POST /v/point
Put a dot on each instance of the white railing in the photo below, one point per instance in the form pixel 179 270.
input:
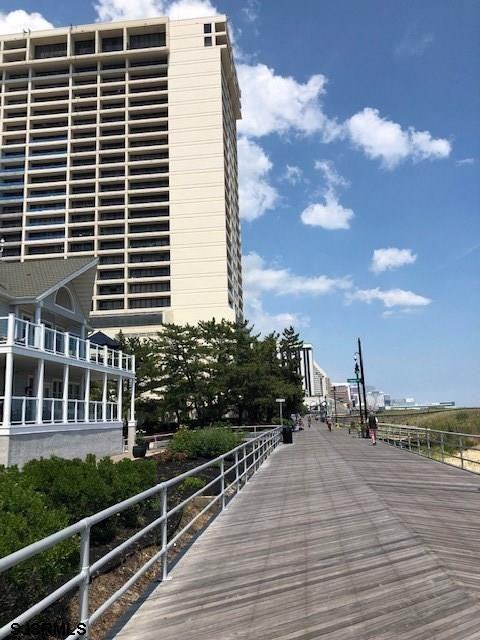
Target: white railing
pixel 238 465
pixel 24 411
pixel 14 331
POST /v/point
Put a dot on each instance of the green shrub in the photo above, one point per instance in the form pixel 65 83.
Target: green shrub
pixel 84 487
pixel 27 517
pixel 191 485
pixel 204 443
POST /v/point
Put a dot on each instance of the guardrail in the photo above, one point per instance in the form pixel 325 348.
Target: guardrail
pixel 247 459
pixel 456 449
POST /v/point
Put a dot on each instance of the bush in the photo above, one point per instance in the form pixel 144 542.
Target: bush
pixel 85 487
pixel 204 443
pixel 191 485
pixel 27 517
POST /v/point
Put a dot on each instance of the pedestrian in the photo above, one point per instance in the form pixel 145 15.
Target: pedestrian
pixel 329 425
pixel 309 420
pixel 372 427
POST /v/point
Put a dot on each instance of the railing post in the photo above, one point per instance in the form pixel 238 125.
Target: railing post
pixel 85 570
pixel 428 443
pixel 442 446
pixel 245 465
pixel 237 481
pixel 222 482
pixel 461 451
pixel 409 442
pixel 418 442
pixel 11 330
pixel 164 532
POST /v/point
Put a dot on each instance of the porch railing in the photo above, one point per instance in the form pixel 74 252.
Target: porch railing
pixel 15 331
pixel 24 411
pixel 235 468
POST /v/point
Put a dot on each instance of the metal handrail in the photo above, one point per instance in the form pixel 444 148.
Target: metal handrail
pixel 246 463
pixel 444 446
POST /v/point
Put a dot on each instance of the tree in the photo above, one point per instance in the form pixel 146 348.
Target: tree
pixel 217 370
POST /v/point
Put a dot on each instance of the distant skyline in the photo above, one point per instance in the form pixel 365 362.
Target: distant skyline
pixel 360 194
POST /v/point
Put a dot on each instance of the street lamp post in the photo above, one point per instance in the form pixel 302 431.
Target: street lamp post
pixel 335 403
pixel 280 403
pixel 357 376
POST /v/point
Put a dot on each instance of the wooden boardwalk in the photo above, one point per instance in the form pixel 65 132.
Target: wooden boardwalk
pixel 333 539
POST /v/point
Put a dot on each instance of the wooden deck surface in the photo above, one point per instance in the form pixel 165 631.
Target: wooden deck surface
pixel 332 539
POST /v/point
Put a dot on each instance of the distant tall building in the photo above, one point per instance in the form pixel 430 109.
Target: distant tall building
pixel 316 383
pixel 119 141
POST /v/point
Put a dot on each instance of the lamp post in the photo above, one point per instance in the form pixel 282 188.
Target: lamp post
pixel 357 376
pixel 335 403
pixel 280 403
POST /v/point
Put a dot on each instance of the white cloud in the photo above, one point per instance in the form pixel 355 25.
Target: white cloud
pixel 276 104
pixel 465 161
pixel 183 9
pixel 260 278
pixel 265 322
pixel 391 298
pixel 384 139
pixel 413 43
pixel 391 258
pixel 293 174
pixel 109 10
pixel 250 11
pixel 256 194
pixel 331 214
pixel 18 20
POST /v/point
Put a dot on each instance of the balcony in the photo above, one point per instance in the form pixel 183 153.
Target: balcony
pixel 39 338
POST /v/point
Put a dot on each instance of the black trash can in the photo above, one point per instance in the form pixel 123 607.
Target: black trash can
pixel 287 433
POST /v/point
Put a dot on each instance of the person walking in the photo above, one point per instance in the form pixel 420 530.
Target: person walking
pixel 372 427
pixel 309 420
pixel 329 425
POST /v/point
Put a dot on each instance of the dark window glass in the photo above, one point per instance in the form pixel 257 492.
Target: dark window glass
pixel 148 303
pixel 84 47
pixel 106 305
pixel 51 50
pixel 112 44
pixel 207 28
pixel 149 287
pixel 110 289
pixel 208 41
pixel 154 272
pixel 146 40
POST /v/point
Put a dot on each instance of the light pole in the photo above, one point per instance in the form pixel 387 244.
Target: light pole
pixel 280 403
pixel 335 404
pixel 357 376
pixel 362 374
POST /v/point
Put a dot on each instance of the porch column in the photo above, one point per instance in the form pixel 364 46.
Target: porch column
pixel 132 424
pixel 39 390
pixel 104 397
pixel 7 395
pixel 119 397
pixel 66 376
pixel 86 395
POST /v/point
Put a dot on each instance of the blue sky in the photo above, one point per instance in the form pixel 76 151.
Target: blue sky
pixel 359 155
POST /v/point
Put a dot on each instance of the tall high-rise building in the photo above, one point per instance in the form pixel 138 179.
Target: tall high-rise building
pixel 119 141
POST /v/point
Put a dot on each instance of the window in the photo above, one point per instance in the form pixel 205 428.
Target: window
pixel 148 303
pixel 154 272
pixel 112 44
pixel 110 274
pixel 51 50
pixel 64 299
pixel 208 41
pixel 147 40
pixel 107 305
pixel 149 287
pixel 110 289
pixel 84 47
pixel 207 28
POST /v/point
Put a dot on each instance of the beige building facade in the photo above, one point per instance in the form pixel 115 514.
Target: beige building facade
pixel 118 141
